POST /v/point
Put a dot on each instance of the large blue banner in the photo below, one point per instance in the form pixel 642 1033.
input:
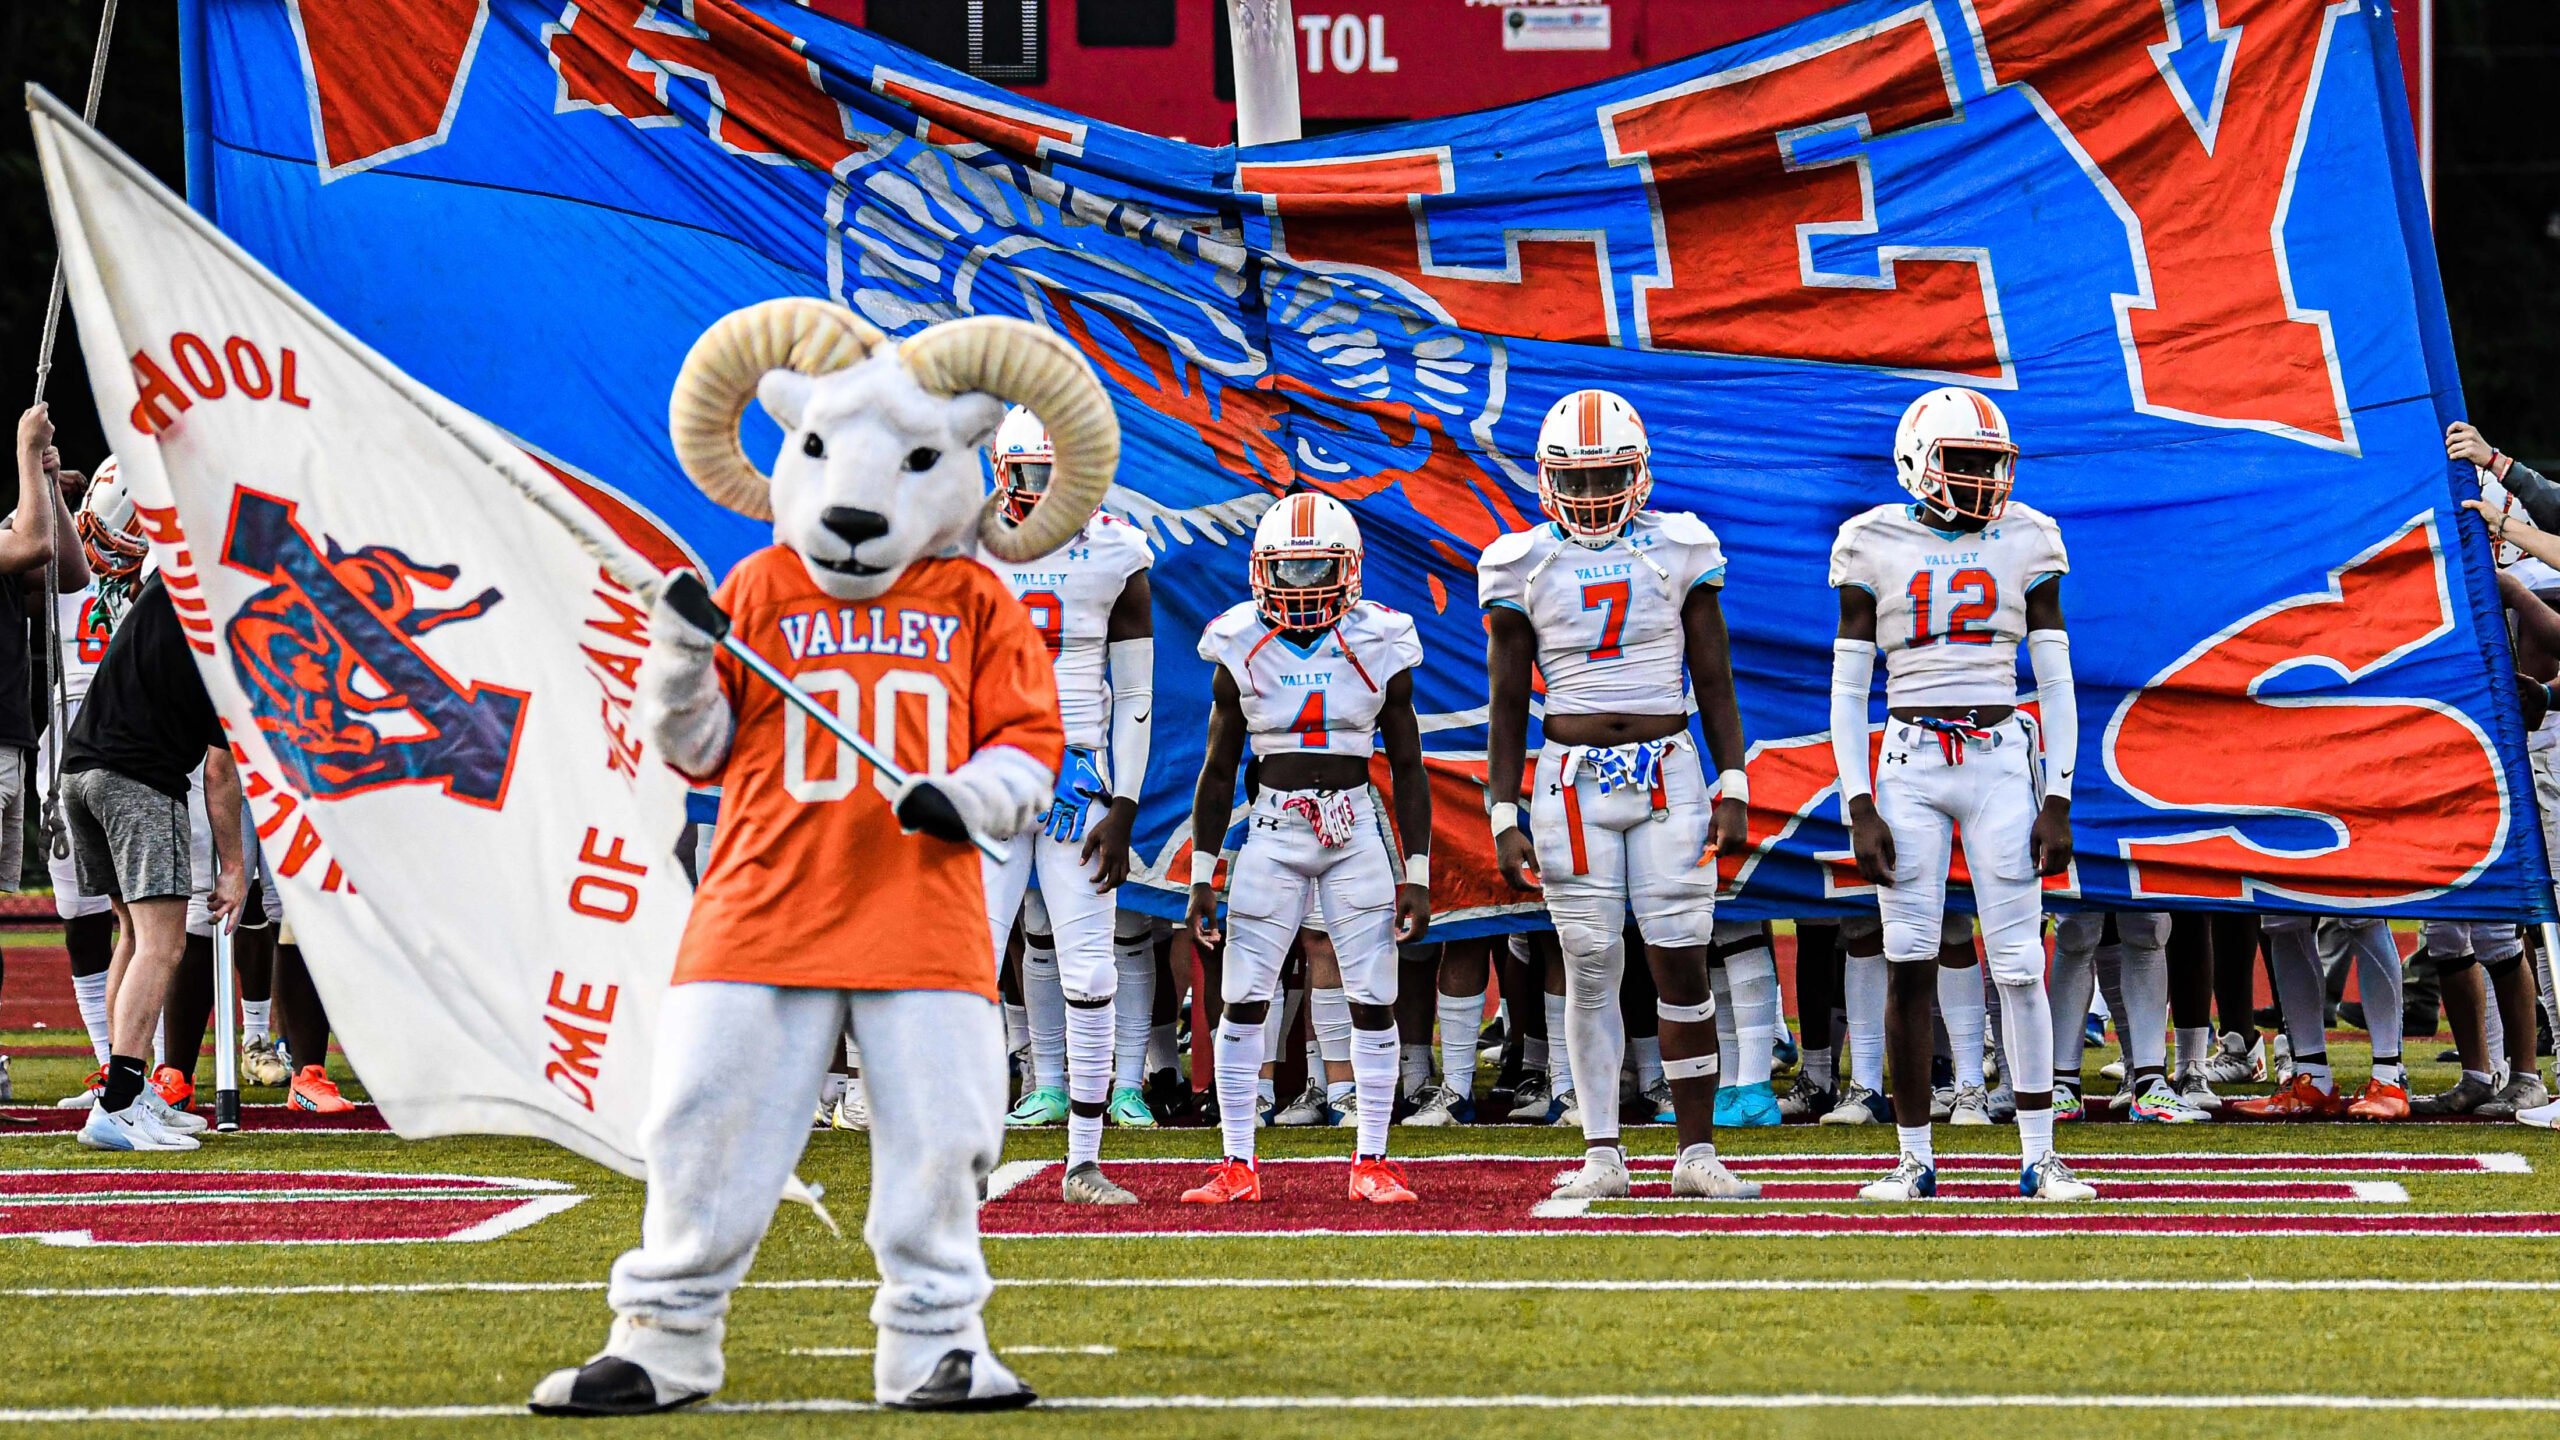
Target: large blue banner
pixel 2185 246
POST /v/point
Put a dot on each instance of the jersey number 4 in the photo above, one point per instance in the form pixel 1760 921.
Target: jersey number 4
pixel 1964 617
pixel 1610 600
pixel 1309 726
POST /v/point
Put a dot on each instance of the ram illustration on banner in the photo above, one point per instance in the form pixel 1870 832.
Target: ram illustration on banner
pixel 428 687
pixel 2184 244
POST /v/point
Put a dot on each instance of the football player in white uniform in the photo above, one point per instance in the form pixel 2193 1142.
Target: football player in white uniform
pixel 1312 674
pixel 1948 586
pixel 111 542
pixel 1619 607
pixel 1089 601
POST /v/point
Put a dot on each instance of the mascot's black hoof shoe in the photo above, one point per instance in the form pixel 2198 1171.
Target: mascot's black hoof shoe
pixel 947 1388
pixel 927 809
pixel 610 1385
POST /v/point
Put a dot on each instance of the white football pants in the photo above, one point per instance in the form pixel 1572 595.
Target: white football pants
pixel 1924 793
pixel 1601 855
pixel 737 1070
pixel 1282 872
pixel 1080 917
pixel 2144 938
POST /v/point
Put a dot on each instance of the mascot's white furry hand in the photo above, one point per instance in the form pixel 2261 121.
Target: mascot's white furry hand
pixel 682 711
pixel 998 792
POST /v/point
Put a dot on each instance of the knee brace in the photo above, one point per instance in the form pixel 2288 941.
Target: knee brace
pixel 1248 1012
pixel 1686 1014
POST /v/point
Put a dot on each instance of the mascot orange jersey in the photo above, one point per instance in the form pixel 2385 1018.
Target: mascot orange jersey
pixel 811 882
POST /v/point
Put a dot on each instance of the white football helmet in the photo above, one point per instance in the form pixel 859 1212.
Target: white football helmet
pixel 1954 419
pixel 2502 505
pixel 110 528
pixel 1022 458
pixel 1593 464
pixel 1306 562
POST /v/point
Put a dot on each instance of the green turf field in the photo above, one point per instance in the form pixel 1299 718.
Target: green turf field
pixel 1808 1333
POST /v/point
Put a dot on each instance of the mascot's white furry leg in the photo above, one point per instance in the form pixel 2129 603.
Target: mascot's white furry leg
pixel 727 1124
pixel 934 1060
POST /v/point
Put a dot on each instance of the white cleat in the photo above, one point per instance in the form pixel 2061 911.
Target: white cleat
pixel 1569 1115
pixel 1442 1106
pixel 2113 1070
pixel 169 1117
pixel 131 1128
pixel 2545 1117
pixel 1085 1184
pixel 2050 1179
pixel 1308 1109
pixel 1942 1104
pixel 2195 1091
pixel 1603 1176
pixel 2236 1060
pixel 1703 1177
pixel 261 1065
pixel 1859 1106
pixel 1910 1179
pixel 853 1112
pixel 1346 1116
pixel 1972 1106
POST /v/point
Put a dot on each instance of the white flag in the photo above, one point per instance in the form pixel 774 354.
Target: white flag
pixel 427 681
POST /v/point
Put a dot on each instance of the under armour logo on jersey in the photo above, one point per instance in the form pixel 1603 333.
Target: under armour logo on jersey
pixel 1895 757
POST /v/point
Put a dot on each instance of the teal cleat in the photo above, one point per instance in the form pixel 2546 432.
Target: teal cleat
pixel 1750 1106
pixel 1044 1106
pixel 1129 1109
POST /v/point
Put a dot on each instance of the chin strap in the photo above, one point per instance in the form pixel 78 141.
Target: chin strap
pixel 1133 704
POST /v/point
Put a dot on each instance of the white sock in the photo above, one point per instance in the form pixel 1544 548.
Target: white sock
pixel 2145 1022
pixel 1135 960
pixel 1862 985
pixel 2035 1135
pixel 1337 1091
pixel 1817 1069
pixel 1461 1021
pixel 1414 1073
pixel 1596 1040
pixel 2319 1073
pixel 254 1019
pixel 1239 1063
pixel 1646 1052
pixel 1533 1052
pixel 1373 1073
pixel 1960 1002
pixel 1045 1005
pixel 1916 1143
pixel 1161 1052
pixel 831 1089
pixel 1275 1030
pixel 1089 1035
pixel 91 990
pixel 1559 1048
pixel 1753 975
pixel 1329 1021
pixel 2027 1015
pixel 2195 1045
pixel 1017 1029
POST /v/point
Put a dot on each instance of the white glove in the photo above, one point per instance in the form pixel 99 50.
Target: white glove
pixel 682 711
pixel 999 792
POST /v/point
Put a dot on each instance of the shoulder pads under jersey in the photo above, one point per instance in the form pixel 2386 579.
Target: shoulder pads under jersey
pixel 1508 549
pixel 1684 528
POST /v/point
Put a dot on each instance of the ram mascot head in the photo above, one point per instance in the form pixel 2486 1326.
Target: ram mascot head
pixel 879 465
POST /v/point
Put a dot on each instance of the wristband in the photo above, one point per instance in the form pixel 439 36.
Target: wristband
pixel 1417 870
pixel 1204 869
pixel 1506 817
pixel 1733 785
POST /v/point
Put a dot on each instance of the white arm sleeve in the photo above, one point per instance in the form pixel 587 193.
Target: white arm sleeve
pixel 682 711
pixel 2049 655
pixel 1133 705
pixel 1853 674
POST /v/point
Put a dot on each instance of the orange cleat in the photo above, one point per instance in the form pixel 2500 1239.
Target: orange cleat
pixel 1380 1182
pixel 2380 1101
pixel 176 1086
pixel 2301 1100
pixel 314 1091
pixel 1232 1180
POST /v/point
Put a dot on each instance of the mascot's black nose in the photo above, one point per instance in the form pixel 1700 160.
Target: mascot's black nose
pixel 854 526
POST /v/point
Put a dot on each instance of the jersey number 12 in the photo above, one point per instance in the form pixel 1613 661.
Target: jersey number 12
pixel 1964 617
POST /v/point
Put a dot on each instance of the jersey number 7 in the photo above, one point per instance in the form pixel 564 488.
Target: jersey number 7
pixel 1610 599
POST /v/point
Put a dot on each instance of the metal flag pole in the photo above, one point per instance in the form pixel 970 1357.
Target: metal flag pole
pixel 226 1032
pixel 1266 55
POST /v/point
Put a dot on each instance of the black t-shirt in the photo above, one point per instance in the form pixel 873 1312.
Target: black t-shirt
pixel 147 716
pixel 17 719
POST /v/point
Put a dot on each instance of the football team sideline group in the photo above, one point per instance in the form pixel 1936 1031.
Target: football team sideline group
pixel 1647 1006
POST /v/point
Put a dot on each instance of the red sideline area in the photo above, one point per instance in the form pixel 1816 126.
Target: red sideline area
pixel 124 1207
pixel 39 1120
pixel 1503 1196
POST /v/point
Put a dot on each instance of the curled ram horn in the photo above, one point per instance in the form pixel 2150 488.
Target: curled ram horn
pixel 1021 364
pixel 720 376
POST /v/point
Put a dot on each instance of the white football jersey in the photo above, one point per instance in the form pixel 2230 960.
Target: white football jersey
pixel 1951 606
pixel 1608 620
pixel 1069 593
pixel 1323 700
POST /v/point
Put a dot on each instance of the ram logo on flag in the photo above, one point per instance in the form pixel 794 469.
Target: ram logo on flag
pixel 2185 245
pixel 428 685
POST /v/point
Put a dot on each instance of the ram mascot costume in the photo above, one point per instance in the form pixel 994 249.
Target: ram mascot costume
pixel 836 902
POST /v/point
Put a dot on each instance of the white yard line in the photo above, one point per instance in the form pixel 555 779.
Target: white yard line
pixel 149 1414
pixel 843 1352
pixel 1717 1286
pixel 1014 1172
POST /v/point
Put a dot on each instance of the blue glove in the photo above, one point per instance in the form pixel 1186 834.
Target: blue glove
pixel 1079 785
